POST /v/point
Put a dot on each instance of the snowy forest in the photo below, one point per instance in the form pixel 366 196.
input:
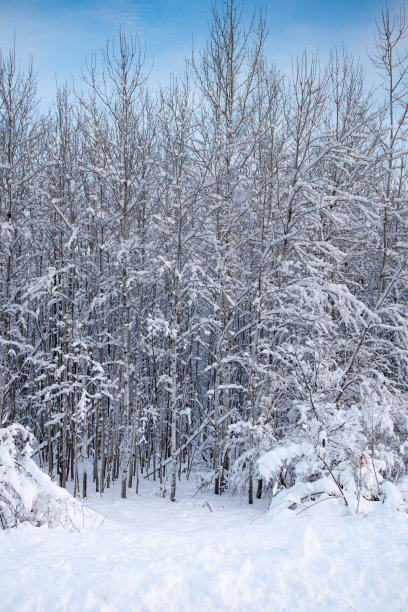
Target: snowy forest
pixel 212 275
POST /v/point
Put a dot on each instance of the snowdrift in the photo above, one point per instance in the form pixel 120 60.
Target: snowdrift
pixel 28 495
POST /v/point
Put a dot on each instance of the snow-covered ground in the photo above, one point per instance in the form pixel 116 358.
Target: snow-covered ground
pixel 151 554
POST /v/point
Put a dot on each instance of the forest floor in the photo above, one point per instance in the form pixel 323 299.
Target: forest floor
pixel 206 553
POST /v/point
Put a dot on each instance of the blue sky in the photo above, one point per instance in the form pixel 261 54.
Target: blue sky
pixel 60 33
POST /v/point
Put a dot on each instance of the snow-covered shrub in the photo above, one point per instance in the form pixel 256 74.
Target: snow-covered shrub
pixel 357 453
pixel 27 494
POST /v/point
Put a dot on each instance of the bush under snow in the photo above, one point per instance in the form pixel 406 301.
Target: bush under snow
pixel 27 494
pixel 357 453
pixel 317 474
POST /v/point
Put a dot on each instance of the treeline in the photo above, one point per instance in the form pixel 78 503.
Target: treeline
pixel 194 276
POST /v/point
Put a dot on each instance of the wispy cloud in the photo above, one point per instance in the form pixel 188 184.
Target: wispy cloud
pixel 122 13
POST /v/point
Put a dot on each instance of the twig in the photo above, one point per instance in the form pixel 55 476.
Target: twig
pixel 316 502
pixel 347 604
pixel 259 516
pixel 335 480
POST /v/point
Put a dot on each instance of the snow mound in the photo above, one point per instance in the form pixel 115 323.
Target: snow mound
pixel 28 495
pixel 359 488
